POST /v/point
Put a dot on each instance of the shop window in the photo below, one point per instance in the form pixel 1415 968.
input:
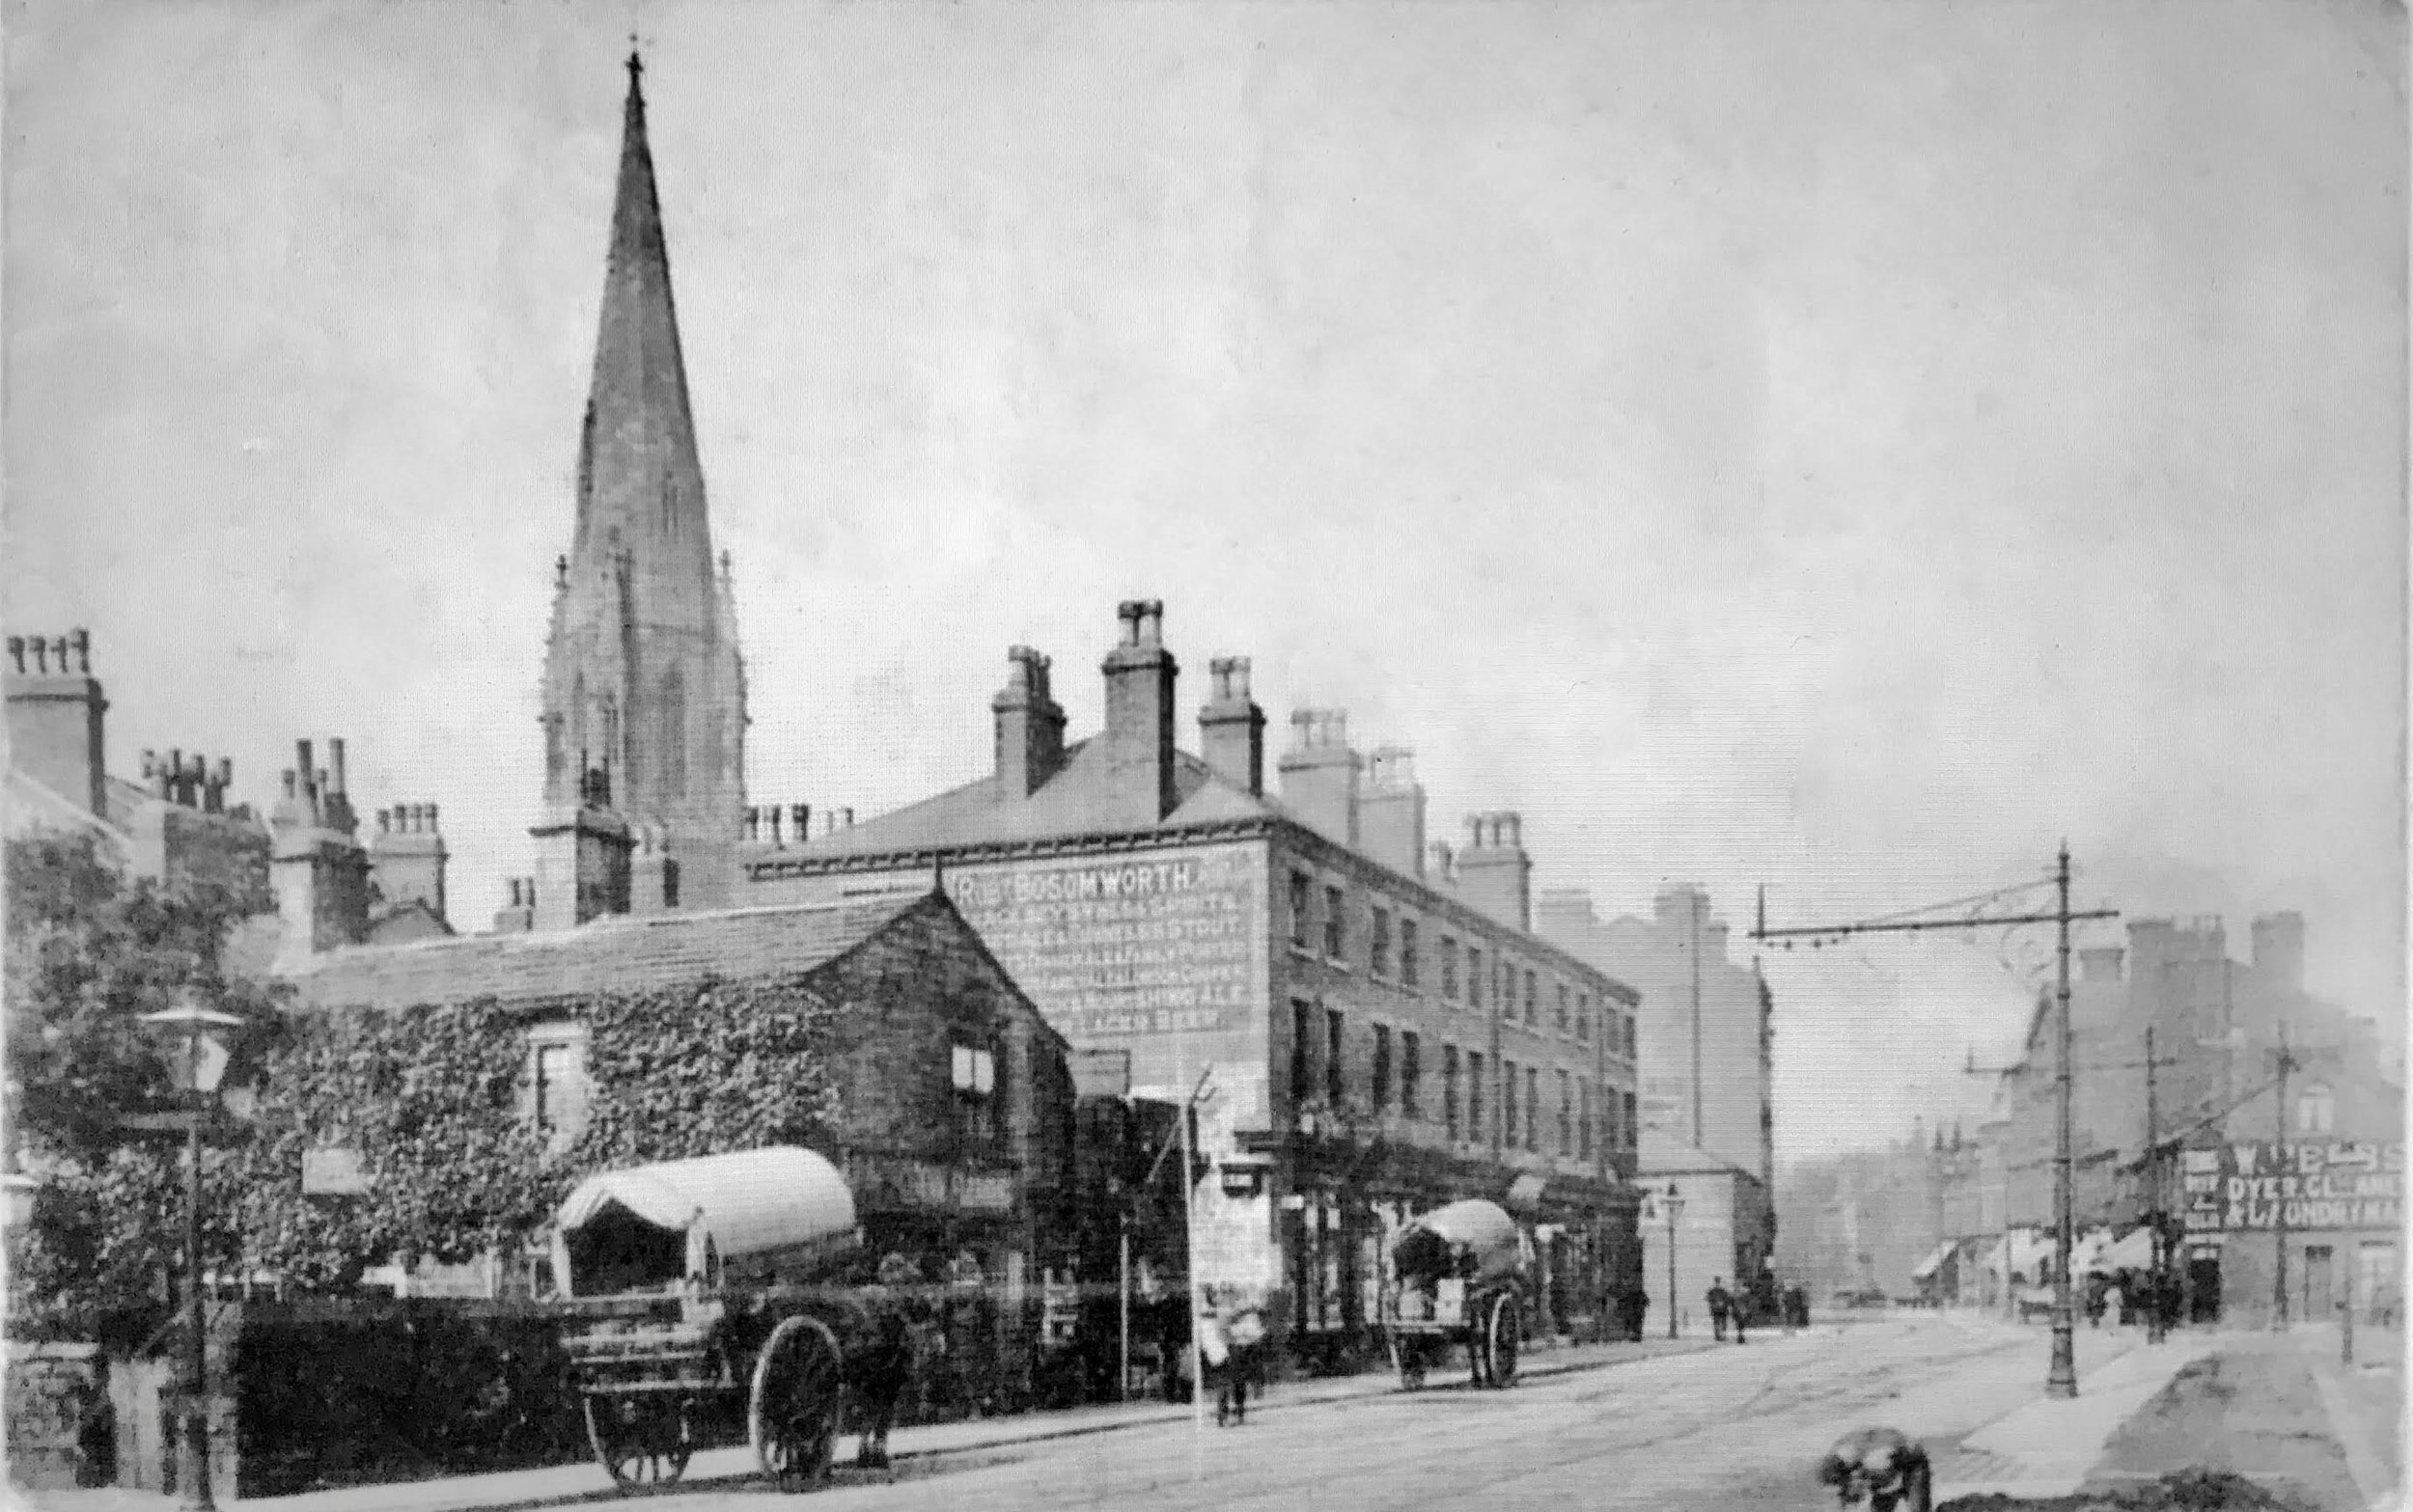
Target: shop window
pixel 1302 1051
pixel 1378 944
pixel 1449 970
pixel 1411 1074
pixel 1449 1090
pixel 1302 896
pixel 1381 1090
pixel 1335 937
pixel 1336 1089
pixel 1410 973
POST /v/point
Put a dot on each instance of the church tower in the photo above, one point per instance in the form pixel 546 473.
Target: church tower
pixel 644 702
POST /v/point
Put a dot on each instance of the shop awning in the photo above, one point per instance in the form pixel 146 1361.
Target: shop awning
pixel 1935 1260
pixel 2135 1252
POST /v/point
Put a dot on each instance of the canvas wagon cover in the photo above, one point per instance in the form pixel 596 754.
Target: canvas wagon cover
pixel 745 1203
pixel 1482 1228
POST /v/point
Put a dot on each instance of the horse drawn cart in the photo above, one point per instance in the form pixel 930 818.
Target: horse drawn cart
pixel 1460 1276
pixel 702 1293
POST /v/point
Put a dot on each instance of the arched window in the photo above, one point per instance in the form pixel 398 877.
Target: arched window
pixel 671 733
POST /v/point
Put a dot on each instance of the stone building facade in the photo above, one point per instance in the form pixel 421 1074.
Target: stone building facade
pixel 1377 1027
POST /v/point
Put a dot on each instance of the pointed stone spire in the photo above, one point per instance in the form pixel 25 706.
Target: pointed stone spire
pixel 643 677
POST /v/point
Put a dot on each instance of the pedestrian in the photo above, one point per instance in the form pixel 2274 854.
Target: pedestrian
pixel 887 1366
pixel 2096 1292
pixel 1719 1301
pixel 1738 1312
pixel 2115 1302
pixel 1214 1355
pixel 1244 1337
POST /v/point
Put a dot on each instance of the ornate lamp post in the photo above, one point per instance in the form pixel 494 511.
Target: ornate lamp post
pixel 199 1033
pixel 1671 1204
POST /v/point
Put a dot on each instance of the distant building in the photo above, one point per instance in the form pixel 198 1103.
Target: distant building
pixel 1724 1228
pixel 1706 1051
pixel 1381 1029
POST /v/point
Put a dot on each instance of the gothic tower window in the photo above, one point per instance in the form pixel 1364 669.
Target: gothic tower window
pixel 670 753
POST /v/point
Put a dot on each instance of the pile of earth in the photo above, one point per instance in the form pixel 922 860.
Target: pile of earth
pixel 2187 1491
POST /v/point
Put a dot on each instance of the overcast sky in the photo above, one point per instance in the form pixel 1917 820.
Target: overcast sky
pixel 1845 447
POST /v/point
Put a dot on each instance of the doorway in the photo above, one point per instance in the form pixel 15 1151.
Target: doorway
pixel 2203 1287
pixel 2321 1281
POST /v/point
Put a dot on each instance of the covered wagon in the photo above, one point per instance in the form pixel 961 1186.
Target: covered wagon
pixel 1459 1275
pixel 701 1292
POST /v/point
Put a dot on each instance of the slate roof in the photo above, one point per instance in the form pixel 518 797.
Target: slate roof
pixel 610 954
pixel 34 805
pixel 1067 804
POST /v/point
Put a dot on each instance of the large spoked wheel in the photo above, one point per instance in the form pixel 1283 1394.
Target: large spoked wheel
pixel 1503 1341
pixel 1408 1356
pixel 643 1445
pixel 792 1412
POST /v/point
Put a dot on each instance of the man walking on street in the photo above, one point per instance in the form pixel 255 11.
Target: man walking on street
pixel 1718 1301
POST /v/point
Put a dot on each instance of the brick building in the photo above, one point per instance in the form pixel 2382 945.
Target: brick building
pixel 1381 1029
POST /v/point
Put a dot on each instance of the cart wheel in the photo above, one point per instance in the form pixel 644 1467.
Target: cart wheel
pixel 792 1412
pixel 1503 1340
pixel 1408 1356
pixel 642 1446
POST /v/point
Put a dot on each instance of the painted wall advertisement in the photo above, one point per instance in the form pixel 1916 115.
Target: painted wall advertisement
pixel 1145 944
pixel 2326 1184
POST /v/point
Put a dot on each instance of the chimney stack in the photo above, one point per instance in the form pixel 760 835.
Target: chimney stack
pixel 1232 728
pixel 1029 725
pixel 1138 738
pixel 1494 873
pixel 319 871
pixel 1320 774
pixel 2279 950
pixel 521 915
pixel 1390 812
pixel 56 732
pixel 407 860
pixel 585 853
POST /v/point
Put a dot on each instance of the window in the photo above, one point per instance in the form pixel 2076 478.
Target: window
pixel 1378 944
pixel 1449 970
pixel 1335 1086
pixel 1449 1090
pixel 1566 1114
pixel 1533 1108
pixel 557 1082
pixel 1411 1074
pixel 1633 1123
pixel 2315 1110
pixel 1332 940
pixel 1409 973
pixel 1302 893
pixel 1302 1051
pixel 1382 1067
pixel 1532 1000
pixel 1565 1014
pixel 1583 1019
pixel 1474 977
pixel 1475 1128
pixel 1508 1102
pixel 972 1072
pixel 1583 1121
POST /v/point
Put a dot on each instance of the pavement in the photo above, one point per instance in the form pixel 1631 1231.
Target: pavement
pixel 586 1481
pixel 2046 1447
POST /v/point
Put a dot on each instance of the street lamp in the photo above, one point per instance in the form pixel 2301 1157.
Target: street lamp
pixel 197 1072
pixel 1671 1203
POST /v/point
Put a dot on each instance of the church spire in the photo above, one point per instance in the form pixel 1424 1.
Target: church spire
pixel 638 473
pixel 642 678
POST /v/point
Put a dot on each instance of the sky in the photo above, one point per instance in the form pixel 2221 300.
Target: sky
pixel 1848 448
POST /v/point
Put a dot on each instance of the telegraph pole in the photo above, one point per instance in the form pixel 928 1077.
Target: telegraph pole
pixel 1696 1017
pixel 2279 1209
pixel 2062 1377
pixel 2153 1189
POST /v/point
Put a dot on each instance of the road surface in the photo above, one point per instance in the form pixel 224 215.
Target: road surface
pixel 1734 1428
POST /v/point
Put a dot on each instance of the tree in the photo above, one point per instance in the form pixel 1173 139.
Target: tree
pixel 89 951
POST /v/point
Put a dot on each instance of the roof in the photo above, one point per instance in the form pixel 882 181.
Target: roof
pixel 33 804
pixel 1935 1261
pixel 1070 803
pixel 747 1202
pixel 1664 1154
pixel 614 955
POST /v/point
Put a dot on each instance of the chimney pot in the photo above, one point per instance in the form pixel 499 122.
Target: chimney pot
pixel 80 639
pixel 151 763
pixel 302 761
pixel 226 771
pixel 773 811
pixel 800 821
pixel 41 656
pixel 292 790
pixel 16 653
